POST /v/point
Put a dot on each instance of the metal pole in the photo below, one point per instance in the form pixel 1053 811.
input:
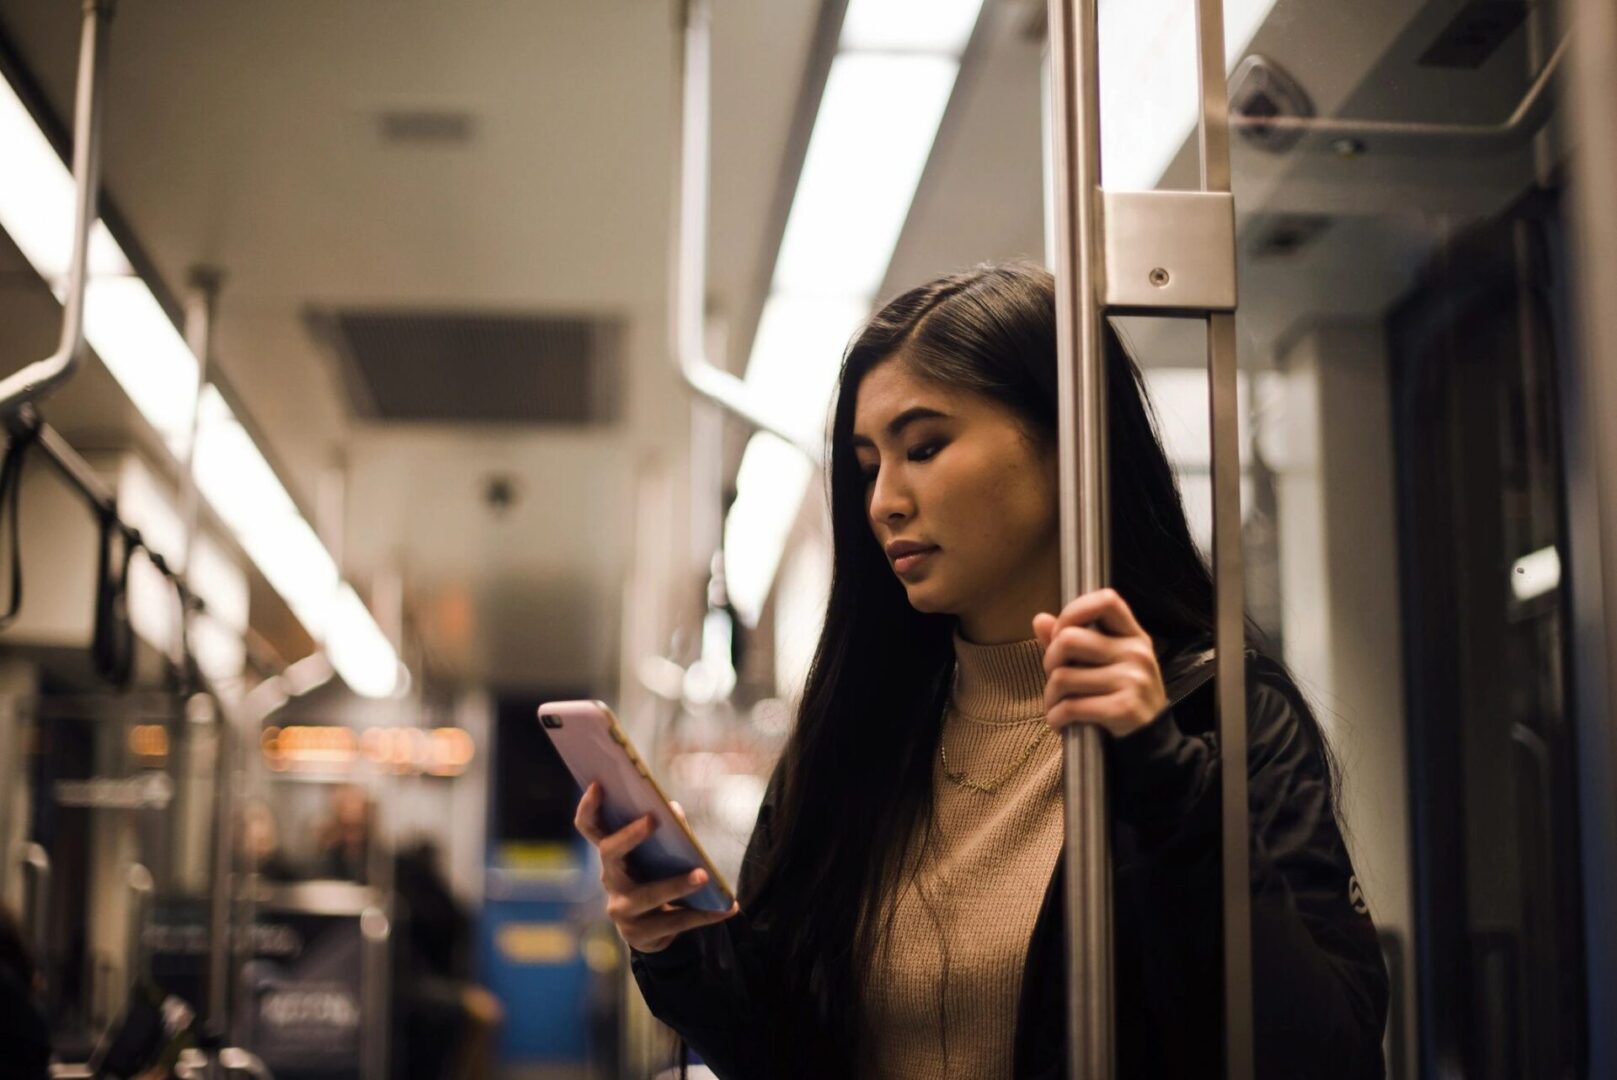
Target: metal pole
pixel 44 376
pixel 201 306
pixel 1229 640
pixel 205 708
pixel 376 928
pixel 37 861
pixel 1081 392
pixel 141 886
pixel 690 238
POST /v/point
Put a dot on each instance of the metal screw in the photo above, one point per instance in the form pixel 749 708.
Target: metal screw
pixel 1158 277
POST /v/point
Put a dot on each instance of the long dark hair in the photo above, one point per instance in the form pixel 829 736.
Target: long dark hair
pixel 857 770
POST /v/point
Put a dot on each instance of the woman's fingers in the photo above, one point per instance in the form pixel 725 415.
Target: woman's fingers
pixel 643 913
pixel 613 848
pixel 585 818
pixel 654 931
pixel 1079 645
pixel 1065 682
pixel 1104 608
pixel 635 900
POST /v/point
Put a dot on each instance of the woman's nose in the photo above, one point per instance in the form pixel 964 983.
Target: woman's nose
pixel 890 502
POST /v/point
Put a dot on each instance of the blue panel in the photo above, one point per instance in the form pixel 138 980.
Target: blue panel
pixel 532 961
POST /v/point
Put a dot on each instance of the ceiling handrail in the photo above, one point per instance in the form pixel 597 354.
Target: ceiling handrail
pixel 43 377
pixel 690 239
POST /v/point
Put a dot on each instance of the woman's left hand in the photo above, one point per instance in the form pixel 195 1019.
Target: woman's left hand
pixel 1100 666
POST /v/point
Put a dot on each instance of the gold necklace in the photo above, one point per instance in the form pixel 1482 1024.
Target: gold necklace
pixel 988 787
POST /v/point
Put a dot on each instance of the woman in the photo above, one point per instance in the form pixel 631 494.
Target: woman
pixel 900 897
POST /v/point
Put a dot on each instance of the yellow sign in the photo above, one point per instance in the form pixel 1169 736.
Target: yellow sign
pixel 537 943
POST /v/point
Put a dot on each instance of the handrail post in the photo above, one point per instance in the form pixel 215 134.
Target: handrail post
pixel 1229 640
pixel 1161 253
pixel 1081 393
pixel 44 376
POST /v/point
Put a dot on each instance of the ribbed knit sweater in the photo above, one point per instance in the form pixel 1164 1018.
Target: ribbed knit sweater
pixel 950 975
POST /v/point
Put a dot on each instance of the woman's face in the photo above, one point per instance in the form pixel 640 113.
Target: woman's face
pixel 955 472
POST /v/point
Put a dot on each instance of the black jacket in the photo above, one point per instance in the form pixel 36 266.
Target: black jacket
pixel 1319 981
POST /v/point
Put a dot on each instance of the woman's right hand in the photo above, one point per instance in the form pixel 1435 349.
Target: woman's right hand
pixel 644 914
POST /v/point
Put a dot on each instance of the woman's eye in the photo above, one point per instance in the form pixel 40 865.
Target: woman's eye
pixel 925 451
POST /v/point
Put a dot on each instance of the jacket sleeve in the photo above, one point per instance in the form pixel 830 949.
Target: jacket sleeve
pixel 1319 980
pixel 705 984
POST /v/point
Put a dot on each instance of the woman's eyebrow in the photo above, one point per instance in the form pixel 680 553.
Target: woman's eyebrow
pixel 897 424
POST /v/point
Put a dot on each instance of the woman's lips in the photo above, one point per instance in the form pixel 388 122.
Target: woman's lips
pixel 904 563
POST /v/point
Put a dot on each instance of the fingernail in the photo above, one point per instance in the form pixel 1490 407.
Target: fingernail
pixel 698 876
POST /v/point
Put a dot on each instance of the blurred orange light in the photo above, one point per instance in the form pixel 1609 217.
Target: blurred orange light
pixel 148 741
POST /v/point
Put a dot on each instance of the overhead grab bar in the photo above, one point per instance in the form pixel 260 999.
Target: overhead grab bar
pixel 1522 122
pixel 690 240
pixel 42 377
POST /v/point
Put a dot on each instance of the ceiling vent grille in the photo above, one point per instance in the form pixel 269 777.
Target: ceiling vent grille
pixel 474 367
pixel 426 127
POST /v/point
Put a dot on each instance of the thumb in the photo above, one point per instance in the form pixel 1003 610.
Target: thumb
pixel 1043 626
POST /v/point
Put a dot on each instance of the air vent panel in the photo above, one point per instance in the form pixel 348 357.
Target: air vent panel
pixel 475 367
pixel 426 127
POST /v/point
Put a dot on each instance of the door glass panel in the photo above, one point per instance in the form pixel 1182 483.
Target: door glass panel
pixel 1402 329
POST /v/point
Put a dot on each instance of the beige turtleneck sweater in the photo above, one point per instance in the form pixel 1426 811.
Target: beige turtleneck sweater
pixel 979 883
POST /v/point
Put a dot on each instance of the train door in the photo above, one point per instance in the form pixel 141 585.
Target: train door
pixel 1404 331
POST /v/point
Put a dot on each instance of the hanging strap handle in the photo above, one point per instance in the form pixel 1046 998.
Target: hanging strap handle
pixel 112 647
pixel 22 437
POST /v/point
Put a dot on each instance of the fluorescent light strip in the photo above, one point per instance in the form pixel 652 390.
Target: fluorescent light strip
pixel 244 491
pixel 870 142
pixel 937 26
pixel 797 354
pixel 149 358
pixel 769 491
pixel 36 199
pixel 884 98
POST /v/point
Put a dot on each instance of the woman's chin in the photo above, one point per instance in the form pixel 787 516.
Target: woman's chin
pixel 925 598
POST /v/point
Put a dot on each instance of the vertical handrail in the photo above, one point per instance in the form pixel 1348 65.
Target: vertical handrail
pixel 1229 606
pixel 44 376
pixel 141 886
pixel 37 862
pixel 1081 304
pixel 376 928
pixel 1081 402
pixel 221 875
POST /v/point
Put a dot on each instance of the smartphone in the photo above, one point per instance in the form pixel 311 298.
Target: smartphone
pixel 594 748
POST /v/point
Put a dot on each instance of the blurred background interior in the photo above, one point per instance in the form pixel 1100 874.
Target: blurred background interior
pixel 423 338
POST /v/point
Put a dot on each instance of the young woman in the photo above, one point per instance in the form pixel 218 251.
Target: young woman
pixel 900 911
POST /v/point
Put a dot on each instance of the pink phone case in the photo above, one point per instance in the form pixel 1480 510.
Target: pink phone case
pixel 594 748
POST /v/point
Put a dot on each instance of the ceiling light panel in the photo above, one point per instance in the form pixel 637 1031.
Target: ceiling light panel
pixel 941 26
pixel 358 649
pixel 870 143
pixel 797 355
pixel 140 345
pixel 769 490
pixel 36 199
